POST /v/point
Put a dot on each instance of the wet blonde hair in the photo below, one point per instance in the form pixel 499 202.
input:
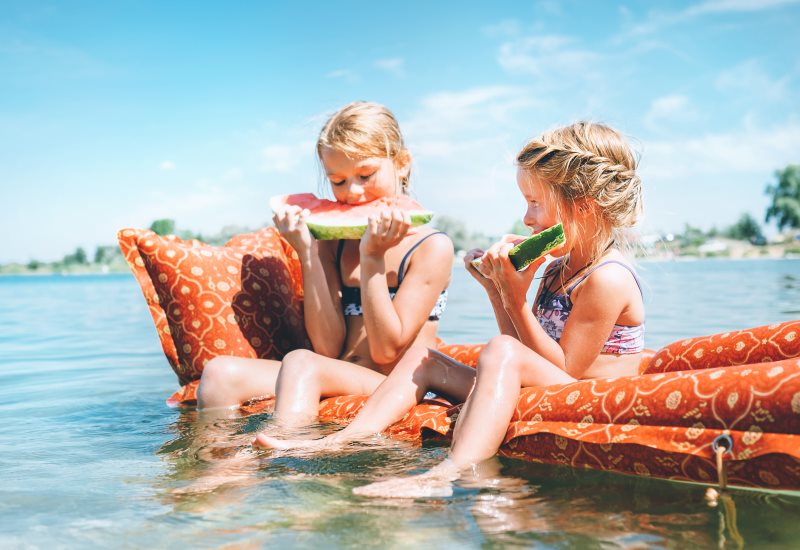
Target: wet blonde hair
pixel 362 129
pixel 588 165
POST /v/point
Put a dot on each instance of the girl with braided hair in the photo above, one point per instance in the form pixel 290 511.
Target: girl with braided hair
pixel 587 320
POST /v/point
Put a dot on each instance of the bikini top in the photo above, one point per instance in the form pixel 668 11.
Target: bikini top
pixel 553 309
pixel 351 295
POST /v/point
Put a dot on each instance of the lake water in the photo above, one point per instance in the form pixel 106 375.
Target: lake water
pixel 91 456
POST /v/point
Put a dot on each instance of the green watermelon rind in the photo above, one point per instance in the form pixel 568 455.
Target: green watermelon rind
pixel 327 232
pixel 534 247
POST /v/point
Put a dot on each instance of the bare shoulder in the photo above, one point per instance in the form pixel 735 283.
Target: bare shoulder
pixel 434 245
pixel 614 276
pixel 434 254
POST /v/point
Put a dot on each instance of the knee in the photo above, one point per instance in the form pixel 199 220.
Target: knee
pixel 498 356
pixel 415 359
pixel 298 364
pixel 219 372
pixel 219 382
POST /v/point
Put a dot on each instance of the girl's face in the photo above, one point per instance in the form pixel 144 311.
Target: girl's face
pixel 541 212
pixel 362 180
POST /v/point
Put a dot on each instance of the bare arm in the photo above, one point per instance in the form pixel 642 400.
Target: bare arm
pixel 512 286
pixel 322 304
pixel 605 298
pixel 322 309
pixel 392 325
pixel 504 323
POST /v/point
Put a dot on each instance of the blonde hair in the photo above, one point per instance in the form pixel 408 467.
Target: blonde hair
pixel 363 129
pixel 588 165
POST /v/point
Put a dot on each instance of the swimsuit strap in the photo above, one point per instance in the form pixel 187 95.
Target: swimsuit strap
pixel 585 275
pixel 401 273
pixel 551 271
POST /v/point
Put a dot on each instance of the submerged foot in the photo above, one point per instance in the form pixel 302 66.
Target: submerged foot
pixel 437 482
pixel 268 442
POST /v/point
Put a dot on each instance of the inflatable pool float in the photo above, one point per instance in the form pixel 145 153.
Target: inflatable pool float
pixel 701 409
pixel 735 393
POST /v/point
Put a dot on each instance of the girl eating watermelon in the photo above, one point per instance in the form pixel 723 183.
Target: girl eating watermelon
pixel 366 300
pixel 587 320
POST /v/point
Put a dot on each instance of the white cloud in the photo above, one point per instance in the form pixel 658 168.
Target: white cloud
pixel 394 66
pixel 667 109
pixel 755 151
pixel 657 20
pixel 232 174
pixel 727 6
pixel 167 165
pixel 464 142
pixel 544 56
pixel 711 179
pixel 344 74
pixel 751 80
pixel 445 120
pixel 284 158
pixel 509 27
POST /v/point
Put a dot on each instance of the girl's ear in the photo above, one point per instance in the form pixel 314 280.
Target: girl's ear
pixel 402 163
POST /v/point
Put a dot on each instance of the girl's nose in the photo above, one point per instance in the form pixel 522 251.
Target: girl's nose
pixel 355 192
pixel 529 220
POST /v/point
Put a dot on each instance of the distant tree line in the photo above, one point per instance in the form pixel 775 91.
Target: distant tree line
pixel 784 209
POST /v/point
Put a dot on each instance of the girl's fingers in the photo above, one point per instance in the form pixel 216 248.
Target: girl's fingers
pixel 398 228
pixel 472 255
pixel 372 224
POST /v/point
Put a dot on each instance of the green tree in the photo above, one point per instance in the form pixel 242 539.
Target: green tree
pixel 692 236
pixel 77 257
pixel 105 254
pixel 746 229
pixel 164 226
pixel 785 198
pixel 456 230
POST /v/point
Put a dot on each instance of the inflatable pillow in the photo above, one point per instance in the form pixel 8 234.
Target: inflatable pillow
pixel 244 298
pixel 740 347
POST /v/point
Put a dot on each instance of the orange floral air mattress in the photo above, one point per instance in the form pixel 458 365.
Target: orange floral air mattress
pixel 245 298
pixel 662 423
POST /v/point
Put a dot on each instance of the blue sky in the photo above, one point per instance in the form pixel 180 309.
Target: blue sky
pixel 113 114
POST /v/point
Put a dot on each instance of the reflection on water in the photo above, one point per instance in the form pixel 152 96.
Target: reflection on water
pixel 90 455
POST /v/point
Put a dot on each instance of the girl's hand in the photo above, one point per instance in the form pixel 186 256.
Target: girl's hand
pixel 384 231
pixel 512 285
pixel 484 281
pixel 291 224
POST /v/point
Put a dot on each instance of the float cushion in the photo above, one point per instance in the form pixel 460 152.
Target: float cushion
pixel 654 425
pixel 738 347
pixel 244 298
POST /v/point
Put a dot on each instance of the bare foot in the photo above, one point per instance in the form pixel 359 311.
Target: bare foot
pixel 437 482
pixel 268 442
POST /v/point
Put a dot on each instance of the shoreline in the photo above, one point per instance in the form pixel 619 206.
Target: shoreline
pixel 98 271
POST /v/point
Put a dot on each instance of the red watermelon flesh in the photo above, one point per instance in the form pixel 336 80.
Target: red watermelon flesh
pixel 331 220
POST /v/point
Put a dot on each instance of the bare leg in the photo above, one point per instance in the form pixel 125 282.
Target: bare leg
pixel 419 371
pixel 230 381
pixel 306 377
pixel 504 367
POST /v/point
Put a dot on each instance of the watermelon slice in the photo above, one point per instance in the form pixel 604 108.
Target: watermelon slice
pixel 331 220
pixel 534 247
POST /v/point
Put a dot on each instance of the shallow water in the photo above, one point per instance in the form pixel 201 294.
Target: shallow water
pixel 90 455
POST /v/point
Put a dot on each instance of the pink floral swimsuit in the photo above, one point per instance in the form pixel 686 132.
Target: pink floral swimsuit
pixel 552 310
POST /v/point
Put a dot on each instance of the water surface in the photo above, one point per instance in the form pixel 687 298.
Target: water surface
pixel 91 456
